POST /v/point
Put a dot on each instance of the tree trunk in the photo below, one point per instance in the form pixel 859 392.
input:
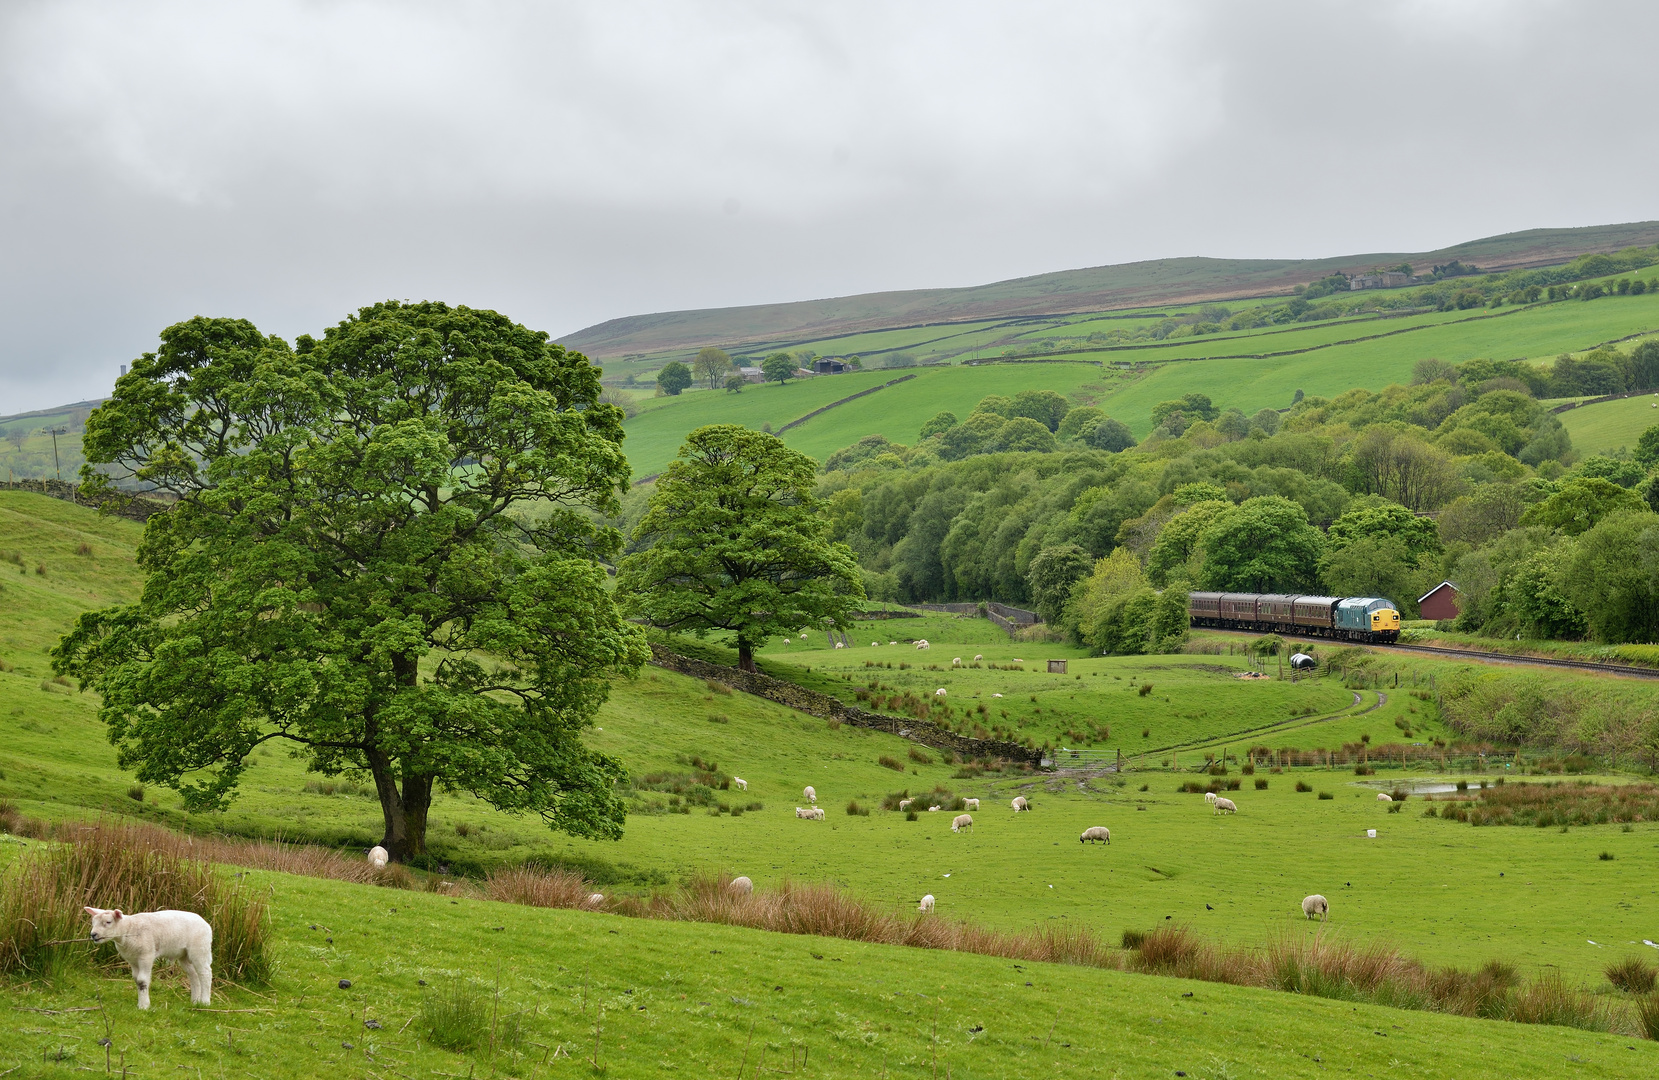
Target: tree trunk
pixel 745 655
pixel 404 813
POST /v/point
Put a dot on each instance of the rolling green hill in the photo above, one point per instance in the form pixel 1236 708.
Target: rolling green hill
pixel 1609 425
pixel 1128 285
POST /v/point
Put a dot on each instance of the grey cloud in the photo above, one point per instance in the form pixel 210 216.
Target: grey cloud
pixel 288 162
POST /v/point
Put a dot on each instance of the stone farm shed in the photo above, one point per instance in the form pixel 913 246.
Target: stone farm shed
pixel 1439 602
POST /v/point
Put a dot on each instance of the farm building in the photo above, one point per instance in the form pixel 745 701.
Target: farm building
pixel 752 374
pixel 1388 279
pixel 829 365
pixel 1439 602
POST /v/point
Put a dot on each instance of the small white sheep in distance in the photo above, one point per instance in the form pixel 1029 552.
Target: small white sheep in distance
pixel 378 857
pixel 979 656
pixel 839 645
pixel 1017 660
pixel 740 784
pixel 1210 797
pixel 971 804
pixel 996 695
pixel 904 804
pixel 741 886
pixel 1098 832
pixel 875 644
pixel 1316 905
pixel 1383 796
pixel 933 809
pixel 809 795
pixel 939 692
pixel 922 644
pixel 144 937
pixel 818 813
pixel 802 813
pixel 926 906
pixel 1224 806
pixel 596 899
pixel 956 661
pixel 892 643
pixel 1019 804
pixel 963 821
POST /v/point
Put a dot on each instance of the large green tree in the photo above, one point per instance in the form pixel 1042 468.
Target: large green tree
pixel 1262 545
pixel 382 556
pixel 712 364
pixel 1612 576
pixel 673 378
pixel 1579 503
pixel 735 540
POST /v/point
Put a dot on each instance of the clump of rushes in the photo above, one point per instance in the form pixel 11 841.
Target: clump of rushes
pixel 919 756
pixel 454 1016
pixel 1633 975
pixel 1326 795
pixel 888 762
pixel 855 810
pixel 1303 785
pixel 1261 783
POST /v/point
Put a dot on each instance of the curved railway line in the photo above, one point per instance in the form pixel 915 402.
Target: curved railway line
pixel 1491 657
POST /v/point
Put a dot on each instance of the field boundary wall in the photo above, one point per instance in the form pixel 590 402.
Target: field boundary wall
pixel 826 707
pixel 1008 618
pixel 798 421
pixel 135 507
pixel 1571 405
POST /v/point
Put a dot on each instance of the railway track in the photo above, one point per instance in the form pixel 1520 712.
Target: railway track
pixel 1492 657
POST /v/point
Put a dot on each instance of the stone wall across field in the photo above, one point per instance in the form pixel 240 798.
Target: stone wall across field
pixel 830 708
pixel 136 507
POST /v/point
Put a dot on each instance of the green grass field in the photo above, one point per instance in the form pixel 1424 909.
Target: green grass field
pixel 1610 425
pixel 674 999
pixel 1443 891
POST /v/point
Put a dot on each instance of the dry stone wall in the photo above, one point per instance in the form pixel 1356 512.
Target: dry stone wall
pixel 830 708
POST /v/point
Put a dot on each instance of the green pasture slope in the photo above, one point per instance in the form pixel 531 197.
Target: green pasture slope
pixel 666 999
pixel 1610 425
pixel 1443 891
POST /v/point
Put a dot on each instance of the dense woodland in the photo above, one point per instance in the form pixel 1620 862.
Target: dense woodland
pixel 1462 475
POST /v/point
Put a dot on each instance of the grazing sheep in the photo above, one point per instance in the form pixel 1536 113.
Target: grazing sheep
pixel 147 936
pixel 595 899
pixel 1210 797
pixel 1017 660
pixel 741 886
pixel 1098 832
pixel 926 906
pixel 839 645
pixel 904 804
pixel 378 857
pixel 809 795
pixel 892 643
pixel 818 813
pixel 1224 806
pixel 979 656
pixel 939 692
pixel 933 809
pixel 996 695
pixel 740 784
pixel 956 661
pixel 963 821
pixel 1316 905
pixel 971 804
pixel 1383 796
pixel 922 644
pixel 802 813
pixel 1019 804
pixel 875 644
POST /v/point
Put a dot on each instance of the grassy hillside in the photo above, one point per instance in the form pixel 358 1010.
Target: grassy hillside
pixel 656 999
pixel 1161 281
pixel 1444 891
pixel 1609 425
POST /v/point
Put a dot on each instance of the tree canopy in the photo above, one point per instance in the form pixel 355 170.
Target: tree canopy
pixel 673 378
pixel 711 364
pixel 1262 545
pixel 778 368
pixel 382 555
pixel 735 539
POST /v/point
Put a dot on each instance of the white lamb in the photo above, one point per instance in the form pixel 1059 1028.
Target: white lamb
pixel 1383 796
pixel 741 886
pixel 1098 832
pixel 809 795
pixel 956 661
pixel 839 645
pixel 892 643
pixel 875 644
pixel 979 656
pixel 1017 660
pixel 1210 797
pixel 1316 905
pixel 904 804
pixel 971 804
pixel 963 821
pixel 1224 806
pixel 996 695
pixel 740 784
pixel 378 857
pixel 922 644
pixel 818 813
pixel 933 809
pixel 1019 804
pixel 595 899
pixel 926 906
pixel 939 692
pixel 147 936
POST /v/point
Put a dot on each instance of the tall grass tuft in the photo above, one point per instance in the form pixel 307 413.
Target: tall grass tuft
pixel 454 1016
pixel 1549 1000
pixel 1647 1015
pixel 133 868
pixel 1633 974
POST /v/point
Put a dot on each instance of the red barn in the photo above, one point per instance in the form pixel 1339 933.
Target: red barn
pixel 1439 603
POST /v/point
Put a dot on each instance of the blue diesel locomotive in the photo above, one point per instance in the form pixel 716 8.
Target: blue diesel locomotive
pixel 1353 618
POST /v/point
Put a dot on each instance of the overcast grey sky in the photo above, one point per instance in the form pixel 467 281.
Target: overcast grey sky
pixel 567 163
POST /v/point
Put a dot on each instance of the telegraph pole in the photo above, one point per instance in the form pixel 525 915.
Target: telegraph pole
pixel 56 467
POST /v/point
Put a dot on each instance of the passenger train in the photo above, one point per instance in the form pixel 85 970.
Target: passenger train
pixel 1353 618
